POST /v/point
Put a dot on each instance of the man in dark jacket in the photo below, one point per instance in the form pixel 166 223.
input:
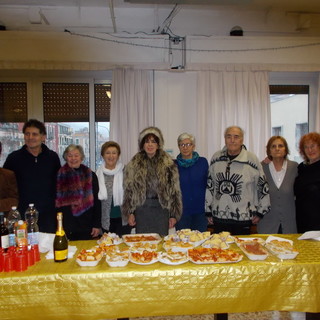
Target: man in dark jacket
pixel 36 167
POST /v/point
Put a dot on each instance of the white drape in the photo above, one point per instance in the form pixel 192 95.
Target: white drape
pixel 131 108
pixel 228 98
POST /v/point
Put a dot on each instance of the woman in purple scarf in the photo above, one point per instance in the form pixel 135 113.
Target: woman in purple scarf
pixel 77 196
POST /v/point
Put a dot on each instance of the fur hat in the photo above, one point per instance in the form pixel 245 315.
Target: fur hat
pixel 152 130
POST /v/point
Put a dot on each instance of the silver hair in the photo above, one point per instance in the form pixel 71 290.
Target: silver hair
pixel 234 127
pixel 186 135
pixel 72 147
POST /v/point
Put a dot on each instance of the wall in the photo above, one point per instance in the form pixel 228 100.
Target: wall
pixel 175 97
pixel 70 51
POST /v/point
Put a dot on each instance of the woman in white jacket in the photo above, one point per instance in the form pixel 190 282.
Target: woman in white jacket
pixel 110 177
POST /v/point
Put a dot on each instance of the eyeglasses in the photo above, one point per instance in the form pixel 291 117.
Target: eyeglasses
pixel 183 145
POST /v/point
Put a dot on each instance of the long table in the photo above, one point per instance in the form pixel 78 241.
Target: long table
pixel 67 291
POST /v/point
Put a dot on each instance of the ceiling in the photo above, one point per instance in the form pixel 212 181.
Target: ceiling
pixel 177 18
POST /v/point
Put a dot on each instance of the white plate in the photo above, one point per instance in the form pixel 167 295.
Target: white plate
pixel 254 256
pixel 146 263
pixel 281 255
pixel 119 263
pixel 198 243
pixel 172 263
pixel 208 244
pixel 110 244
pixel 259 240
pixel 286 256
pixel 115 239
pixel 205 262
pixel 177 248
pixel 164 259
pixel 87 263
pixel 126 237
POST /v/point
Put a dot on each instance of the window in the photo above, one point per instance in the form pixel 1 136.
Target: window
pixel 13 113
pixel 277 131
pixel 289 114
pixel 102 97
pixel 67 116
pixel 301 129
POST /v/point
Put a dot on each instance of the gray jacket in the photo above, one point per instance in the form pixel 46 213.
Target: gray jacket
pixel 282 200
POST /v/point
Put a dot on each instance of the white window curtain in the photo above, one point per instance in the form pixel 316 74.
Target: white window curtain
pixel 131 108
pixel 228 98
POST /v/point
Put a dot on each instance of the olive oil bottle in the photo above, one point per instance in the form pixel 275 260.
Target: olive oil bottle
pixel 60 243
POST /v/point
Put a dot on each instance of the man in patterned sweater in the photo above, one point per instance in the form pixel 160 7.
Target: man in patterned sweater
pixel 237 193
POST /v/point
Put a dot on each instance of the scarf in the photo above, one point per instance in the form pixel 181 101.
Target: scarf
pixel 186 163
pixel 117 188
pixel 74 188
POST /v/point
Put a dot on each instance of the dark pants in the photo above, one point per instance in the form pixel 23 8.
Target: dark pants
pixel 233 228
pixel 151 218
pixel 194 222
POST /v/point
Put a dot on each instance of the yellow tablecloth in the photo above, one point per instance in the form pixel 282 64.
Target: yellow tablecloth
pixel 67 291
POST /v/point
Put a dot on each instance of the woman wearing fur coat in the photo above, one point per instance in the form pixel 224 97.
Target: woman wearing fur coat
pixel 152 197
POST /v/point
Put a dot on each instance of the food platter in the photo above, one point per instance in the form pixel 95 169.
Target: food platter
pixel 226 236
pixel 254 250
pixel 140 246
pixel 194 237
pixel 173 258
pixel 144 258
pixel 109 238
pixel 130 239
pixel 88 258
pixel 118 259
pixel 238 240
pixel 215 242
pixel 177 246
pixel 213 256
pixel 216 262
pixel 282 248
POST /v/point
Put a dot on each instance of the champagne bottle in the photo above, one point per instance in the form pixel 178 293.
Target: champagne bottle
pixel 60 243
pixel 4 233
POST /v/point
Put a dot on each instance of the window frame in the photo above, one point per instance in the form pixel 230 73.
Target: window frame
pixel 300 78
pixel 35 96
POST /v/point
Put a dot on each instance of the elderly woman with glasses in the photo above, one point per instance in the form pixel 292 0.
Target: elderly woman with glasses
pixel 193 173
pixel 152 197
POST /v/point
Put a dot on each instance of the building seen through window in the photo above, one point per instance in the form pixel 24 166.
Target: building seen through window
pixel 289 115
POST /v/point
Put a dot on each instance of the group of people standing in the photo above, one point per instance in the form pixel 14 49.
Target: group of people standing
pixel 154 193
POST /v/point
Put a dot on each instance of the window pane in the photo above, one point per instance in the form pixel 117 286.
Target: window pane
pixel 66 112
pixel 66 102
pixel 62 134
pixel 102 135
pixel 13 102
pixel 102 97
pixel 11 138
pixel 289 116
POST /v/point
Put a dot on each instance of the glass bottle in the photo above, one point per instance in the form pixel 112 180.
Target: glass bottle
pixel 13 217
pixel 31 216
pixel 4 233
pixel 60 243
